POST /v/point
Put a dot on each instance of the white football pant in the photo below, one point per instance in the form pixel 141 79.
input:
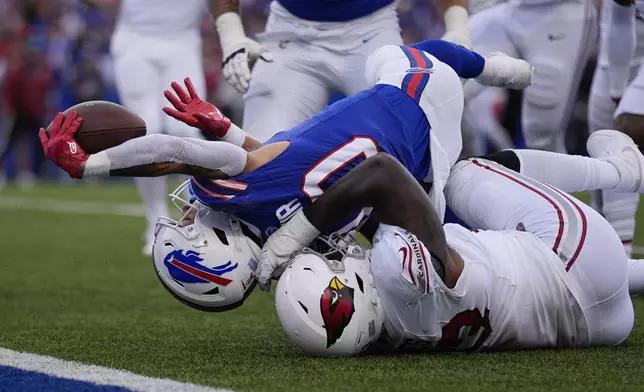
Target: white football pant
pixel 556 38
pixel 489 196
pixel 145 66
pixel 618 208
pixel 312 60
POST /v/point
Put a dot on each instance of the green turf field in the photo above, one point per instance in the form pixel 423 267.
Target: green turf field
pixel 75 286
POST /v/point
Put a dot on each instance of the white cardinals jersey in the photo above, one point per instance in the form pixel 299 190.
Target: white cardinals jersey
pixel 605 21
pixel 512 294
pixel 161 17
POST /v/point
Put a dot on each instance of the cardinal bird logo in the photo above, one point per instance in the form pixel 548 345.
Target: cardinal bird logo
pixel 337 308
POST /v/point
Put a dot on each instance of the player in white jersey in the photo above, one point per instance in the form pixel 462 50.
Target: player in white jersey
pixel 155 43
pixel 619 78
pixel 546 271
pixel 556 36
pixel 309 50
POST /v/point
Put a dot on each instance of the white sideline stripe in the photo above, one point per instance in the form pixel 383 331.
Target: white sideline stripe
pixel 95 374
pixel 71 206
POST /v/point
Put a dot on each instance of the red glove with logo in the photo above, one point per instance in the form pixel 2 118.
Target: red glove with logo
pixel 60 146
pixel 192 110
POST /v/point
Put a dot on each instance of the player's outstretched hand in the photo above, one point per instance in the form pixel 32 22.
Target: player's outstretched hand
pixel 60 146
pixel 192 110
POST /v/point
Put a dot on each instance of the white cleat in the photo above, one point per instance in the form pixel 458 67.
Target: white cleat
pixel 501 70
pixel 620 150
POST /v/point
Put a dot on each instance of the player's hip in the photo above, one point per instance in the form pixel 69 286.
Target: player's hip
pixel 284 26
pixel 128 42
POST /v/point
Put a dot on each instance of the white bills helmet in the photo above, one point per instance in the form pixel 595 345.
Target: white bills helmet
pixel 205 259
pixel 329 307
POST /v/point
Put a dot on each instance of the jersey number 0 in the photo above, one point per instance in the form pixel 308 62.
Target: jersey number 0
pixel 316 179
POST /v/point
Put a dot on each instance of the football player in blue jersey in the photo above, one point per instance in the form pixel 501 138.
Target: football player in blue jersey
pixel 310 49
pixel 413 113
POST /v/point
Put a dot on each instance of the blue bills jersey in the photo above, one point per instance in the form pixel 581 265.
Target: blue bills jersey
pixel 323 149
pixel 333 10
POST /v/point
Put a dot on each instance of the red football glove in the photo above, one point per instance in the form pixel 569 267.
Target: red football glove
pixel 60 146
pixel 195 112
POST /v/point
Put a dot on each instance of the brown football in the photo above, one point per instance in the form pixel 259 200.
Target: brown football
pixel 105 125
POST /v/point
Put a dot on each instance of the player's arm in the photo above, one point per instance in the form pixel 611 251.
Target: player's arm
pixel 622 42
pixel 192 110
pixel 147 156
pixel 397 199
pixel 238 51
pixel 455 15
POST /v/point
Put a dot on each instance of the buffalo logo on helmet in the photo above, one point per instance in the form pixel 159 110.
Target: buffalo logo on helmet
pixel 336 304
pixel 185 266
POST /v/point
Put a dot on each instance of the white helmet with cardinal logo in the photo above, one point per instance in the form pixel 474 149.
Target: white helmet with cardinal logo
pixel 329 307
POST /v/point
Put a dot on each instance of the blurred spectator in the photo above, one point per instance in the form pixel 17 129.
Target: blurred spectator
pixel 54 54
pixel 28 80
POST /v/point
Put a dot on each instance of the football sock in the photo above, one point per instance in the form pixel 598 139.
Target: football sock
pixel 619 210
pixel 569 173
pixel 153 191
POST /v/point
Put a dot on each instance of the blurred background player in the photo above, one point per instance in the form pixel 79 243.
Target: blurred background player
pixel 154 43
pixel 310 49
pixel 557 37
pixel 617 100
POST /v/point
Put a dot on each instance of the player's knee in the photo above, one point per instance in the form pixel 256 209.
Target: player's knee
pixel 632 125
pixel 506 158
pixel 382 61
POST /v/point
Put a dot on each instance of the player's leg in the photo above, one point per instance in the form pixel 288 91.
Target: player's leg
pixel 288 90
pixel 487 195
pixel 615 163
pixel 139 83
pixel 183 58
pixel 618 208
pixel 555 28
pixel 489 34
pixel 369 33
pixel 437 89
pixel 481 117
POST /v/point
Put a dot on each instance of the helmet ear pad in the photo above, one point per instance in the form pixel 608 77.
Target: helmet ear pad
pixel 208 264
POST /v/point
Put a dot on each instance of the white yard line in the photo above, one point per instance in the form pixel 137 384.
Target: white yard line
pixel 95 374
pixel 99 208
pixel 71 206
